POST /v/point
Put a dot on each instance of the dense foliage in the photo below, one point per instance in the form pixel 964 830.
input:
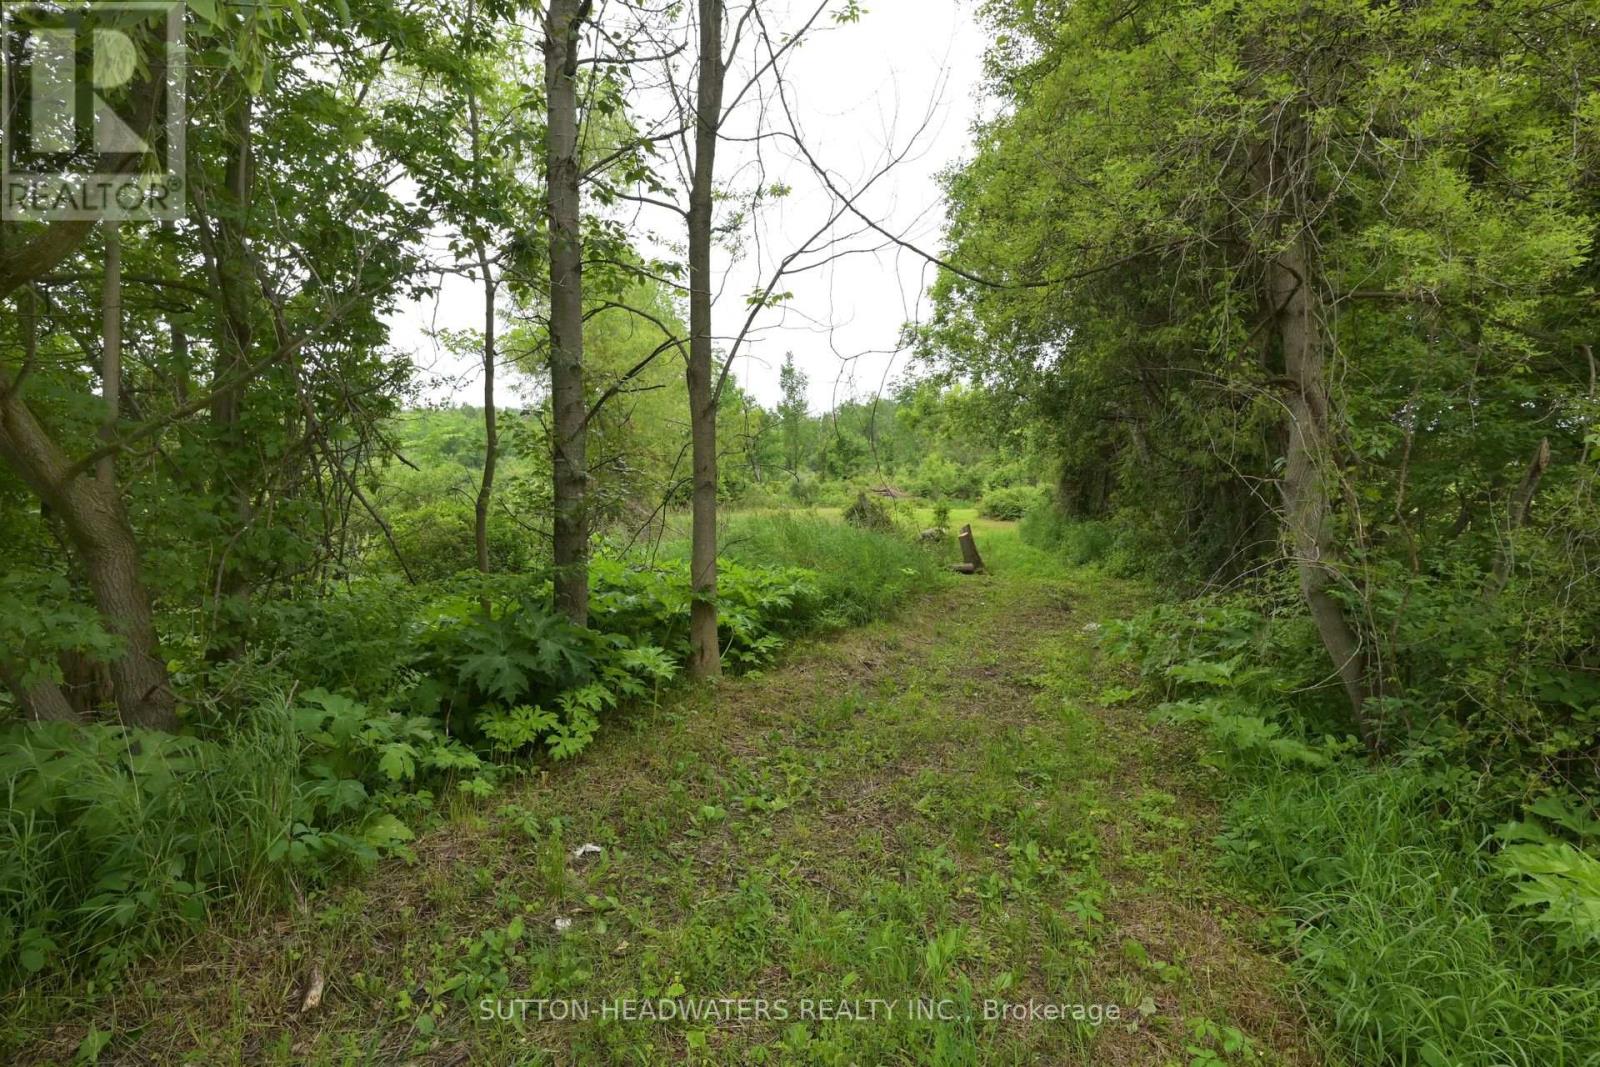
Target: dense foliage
pixel 1418 443
pixel 264 611
pixel 1300 299
pixel 1293 304
pixel 363 712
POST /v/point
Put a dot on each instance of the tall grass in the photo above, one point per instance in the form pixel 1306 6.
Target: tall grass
pixel 1079 543
pixel 861 574
pixel 1401 928
pixel 114 840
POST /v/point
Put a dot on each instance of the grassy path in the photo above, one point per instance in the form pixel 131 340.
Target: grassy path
pixel 938 806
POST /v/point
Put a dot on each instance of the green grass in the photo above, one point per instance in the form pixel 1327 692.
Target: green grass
pixel 115 842
pixel 935 806
pixel 956 802
pixel 1401 930
pixel 862 575
pixel 118 843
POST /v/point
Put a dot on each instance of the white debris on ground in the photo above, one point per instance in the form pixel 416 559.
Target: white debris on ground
pixel 563 924
pixel 586 850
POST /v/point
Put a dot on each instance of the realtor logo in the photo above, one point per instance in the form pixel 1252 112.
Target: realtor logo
pixel 93 99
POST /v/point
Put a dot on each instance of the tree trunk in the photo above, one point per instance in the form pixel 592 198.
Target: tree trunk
pixel 41 701
pixel 110 350
pixel 99 531
pixel 90 507
pixel 705 655
pixel 491 433
pixel 1307 493
pixel 234 279
pixel 562 24
pixel 236 283
pixel 969 552
pixel 1521 501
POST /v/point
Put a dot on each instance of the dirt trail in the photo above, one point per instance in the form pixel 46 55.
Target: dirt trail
pixel 935 813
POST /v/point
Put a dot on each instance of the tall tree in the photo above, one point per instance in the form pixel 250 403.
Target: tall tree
pixel 316 262
pixel 695 128
pixel 792 409
pixel 563 24
pixel 705 655
pixel 1252 269
pixel 90 508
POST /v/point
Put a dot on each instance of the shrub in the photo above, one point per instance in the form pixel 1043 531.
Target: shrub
pixel 1079 543
pixel 115 839
pixel 356 641
pixel 1012 503
pixel 937 476
pixel 431 515
pixel 869 513
pixel 803 488
pixel 1016 472
pixel 1425 940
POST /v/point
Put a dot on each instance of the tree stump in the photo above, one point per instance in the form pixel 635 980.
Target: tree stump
pixel 971 562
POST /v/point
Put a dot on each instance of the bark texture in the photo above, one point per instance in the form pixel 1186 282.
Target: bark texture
pixel 90 508
pixel 705 658
pixel 563 22
pixel 98 527
pixel 969 552
pixel 225 240
pixel 41 701
pixel 491 431
pixel 1308 459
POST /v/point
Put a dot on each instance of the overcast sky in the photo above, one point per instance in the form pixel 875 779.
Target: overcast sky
pixel 859 92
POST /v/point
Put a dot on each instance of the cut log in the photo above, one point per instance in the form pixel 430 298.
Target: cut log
pixel 963 568
pixel 969 552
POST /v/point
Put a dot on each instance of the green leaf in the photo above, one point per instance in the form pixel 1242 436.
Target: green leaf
pixel 398 762
pixel 206 9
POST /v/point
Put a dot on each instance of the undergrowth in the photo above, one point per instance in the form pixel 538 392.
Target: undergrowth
pixel 1440 908
pixel 859 574
pixel 355 716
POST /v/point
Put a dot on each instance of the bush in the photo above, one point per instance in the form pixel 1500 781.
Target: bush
pixel 115 839
pixel 804 488
pixel 356 641
pixel 936 476
pixel 1016 472
pixel 1079 543
pixel 1012 503
pixel 432 515
pixel 869 513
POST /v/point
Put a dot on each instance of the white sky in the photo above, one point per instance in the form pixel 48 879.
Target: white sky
pixel 859 91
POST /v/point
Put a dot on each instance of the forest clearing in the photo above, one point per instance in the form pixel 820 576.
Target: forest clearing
pixel 950 532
